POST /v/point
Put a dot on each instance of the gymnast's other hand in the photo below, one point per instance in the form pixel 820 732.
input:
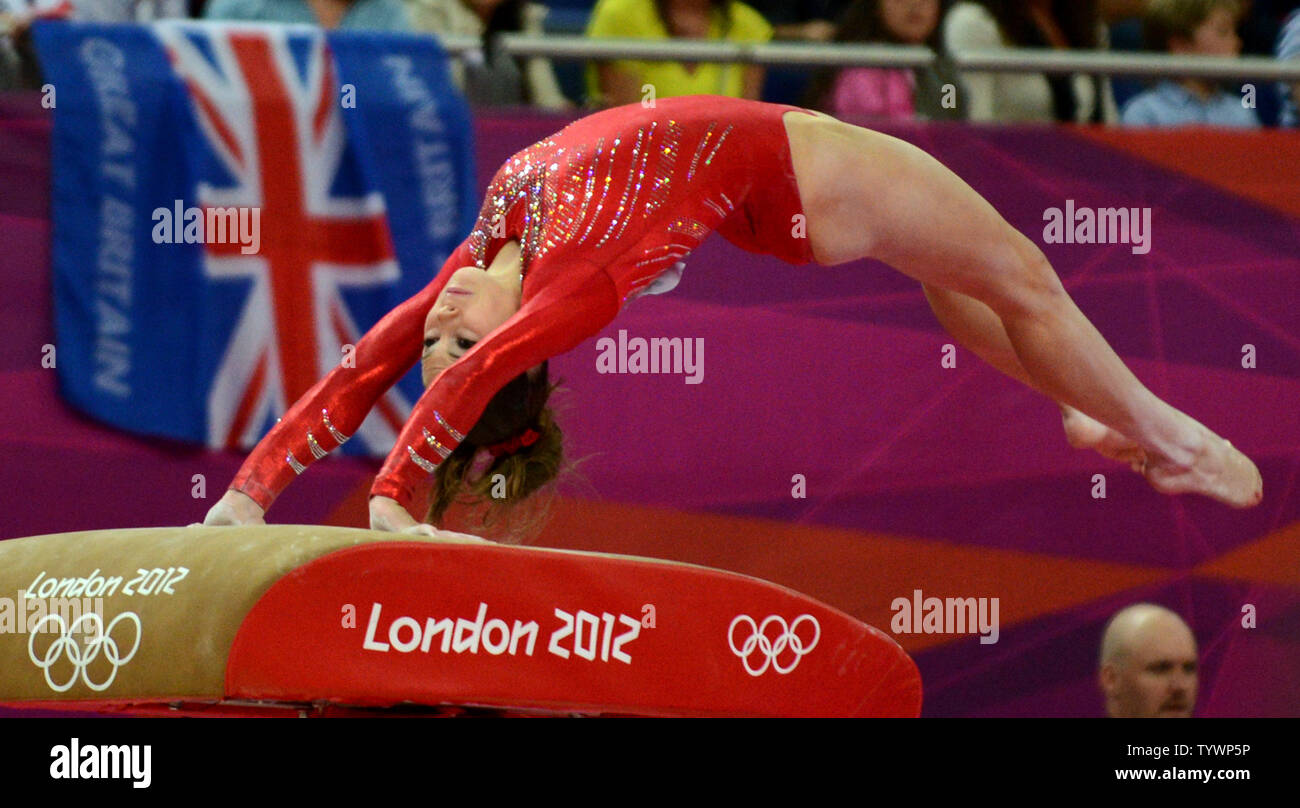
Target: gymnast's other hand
pixel 235 508
pixel 387 514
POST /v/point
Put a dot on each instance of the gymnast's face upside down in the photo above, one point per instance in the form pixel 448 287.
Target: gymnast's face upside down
pixel 473 304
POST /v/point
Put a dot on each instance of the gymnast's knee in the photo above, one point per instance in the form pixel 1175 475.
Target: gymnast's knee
pixel 1020 281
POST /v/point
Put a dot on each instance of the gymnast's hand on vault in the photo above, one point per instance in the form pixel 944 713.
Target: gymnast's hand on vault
pixel 235 508
pixel 386 514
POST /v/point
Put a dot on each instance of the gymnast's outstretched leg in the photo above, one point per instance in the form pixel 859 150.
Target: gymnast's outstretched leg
pixel 868 195
pixel 977 327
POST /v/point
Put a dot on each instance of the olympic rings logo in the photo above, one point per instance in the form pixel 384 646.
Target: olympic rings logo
pixel 82 656
pixel 772 647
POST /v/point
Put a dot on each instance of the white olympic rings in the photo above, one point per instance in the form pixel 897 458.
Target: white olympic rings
pixel 769 647
pixel 81 657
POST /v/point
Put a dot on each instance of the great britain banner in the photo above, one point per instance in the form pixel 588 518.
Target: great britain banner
pixel 234 206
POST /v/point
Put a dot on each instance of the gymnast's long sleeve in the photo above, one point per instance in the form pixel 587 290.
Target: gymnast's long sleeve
pixel 331 411
pixel 572 304
pixel 604 211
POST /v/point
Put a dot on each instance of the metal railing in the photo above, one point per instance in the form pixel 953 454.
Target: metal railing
pixel 686 50
pixel 1013 60
pixel 1107 63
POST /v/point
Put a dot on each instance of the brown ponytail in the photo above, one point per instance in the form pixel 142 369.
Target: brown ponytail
pixel 493 495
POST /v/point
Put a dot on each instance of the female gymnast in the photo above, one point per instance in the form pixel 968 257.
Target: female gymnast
pixel 604 210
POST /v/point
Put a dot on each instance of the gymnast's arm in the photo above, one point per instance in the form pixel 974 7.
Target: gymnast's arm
pixel 334 407
pixel 574 303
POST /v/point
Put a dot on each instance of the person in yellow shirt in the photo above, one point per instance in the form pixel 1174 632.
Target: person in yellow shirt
pixel 622 82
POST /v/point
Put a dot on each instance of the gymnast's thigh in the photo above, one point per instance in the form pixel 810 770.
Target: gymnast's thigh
pixel 870 195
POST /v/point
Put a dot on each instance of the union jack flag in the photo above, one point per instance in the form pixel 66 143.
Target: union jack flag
pixel 350 151
pixel 268 104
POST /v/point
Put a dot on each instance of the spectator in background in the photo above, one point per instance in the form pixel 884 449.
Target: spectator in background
pixel 1113 11
pixel 1191 27
pixel 495 77
pixel 1261 23
pixel 1123 20
pixel 890 92
pixel 18 66
pixel 1148 666
pixel 802 22
pixel 1288 48
pixel 990 24
pixel 620 82
pixel 98 10
pixel 372 15
pixel 1260 29
pixel 813 21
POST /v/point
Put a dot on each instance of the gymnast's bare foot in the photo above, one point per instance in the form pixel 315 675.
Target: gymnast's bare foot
pixel 1215 468
pixel 1084 432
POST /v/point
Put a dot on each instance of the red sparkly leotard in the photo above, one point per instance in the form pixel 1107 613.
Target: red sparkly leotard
pixel 600 210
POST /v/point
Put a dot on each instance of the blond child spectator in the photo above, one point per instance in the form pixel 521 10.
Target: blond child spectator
pixel 1191 27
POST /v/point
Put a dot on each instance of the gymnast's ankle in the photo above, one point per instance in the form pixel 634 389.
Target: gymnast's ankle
pixel 1182 442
